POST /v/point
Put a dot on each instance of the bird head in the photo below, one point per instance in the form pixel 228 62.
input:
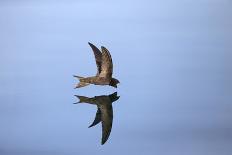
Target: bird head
pixel 114 82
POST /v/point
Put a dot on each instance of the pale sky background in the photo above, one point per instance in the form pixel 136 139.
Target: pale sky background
pixel 173 59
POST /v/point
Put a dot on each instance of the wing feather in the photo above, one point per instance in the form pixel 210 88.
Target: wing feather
pixel 107 121
pixel 107 64
pixel 98 57
pixel 97 118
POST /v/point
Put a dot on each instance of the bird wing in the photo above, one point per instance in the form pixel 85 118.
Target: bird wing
pixel 107 64
pixel 105 105
pixel 98 57
pixel 97 118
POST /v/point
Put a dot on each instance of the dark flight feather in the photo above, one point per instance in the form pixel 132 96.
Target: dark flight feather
pixel 107 121
pixel 97 118
pixel 107 64
pixel 98 57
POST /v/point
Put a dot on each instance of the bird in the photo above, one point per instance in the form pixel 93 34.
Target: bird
pixel 104 69
pixel 104 112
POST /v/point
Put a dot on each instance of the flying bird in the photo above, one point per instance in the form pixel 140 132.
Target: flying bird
pixel 104 69
pixel 104 112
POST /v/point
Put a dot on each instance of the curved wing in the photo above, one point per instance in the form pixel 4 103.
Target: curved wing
pixel 107 121
pixel 107 64
pixel 98 57
pixel 97 118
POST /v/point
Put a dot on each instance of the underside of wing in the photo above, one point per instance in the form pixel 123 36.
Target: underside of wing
pixel 107 64
pixel 97 118
pixel 107 121
pixel 98 57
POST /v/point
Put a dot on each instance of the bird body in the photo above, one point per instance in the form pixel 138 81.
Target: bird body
pixel 104 70
pixel 96 80
pixel 104 112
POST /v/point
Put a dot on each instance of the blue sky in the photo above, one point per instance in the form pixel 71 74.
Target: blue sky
pixel 171 57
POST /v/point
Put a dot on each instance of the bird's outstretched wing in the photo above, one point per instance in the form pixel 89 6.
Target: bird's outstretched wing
pixel 98 57
pixel 107 120
pixel 97 118
pixel 107 64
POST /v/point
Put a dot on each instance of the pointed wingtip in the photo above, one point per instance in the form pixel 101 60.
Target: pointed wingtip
pixel 90 126
pixel 103 141
pixel 103 47
pixel 91 45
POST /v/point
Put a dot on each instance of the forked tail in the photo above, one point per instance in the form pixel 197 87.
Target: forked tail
pixel 80 84
pixel 82 99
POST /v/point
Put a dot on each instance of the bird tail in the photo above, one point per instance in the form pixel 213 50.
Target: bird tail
pixel 82 99
pixel 80 84
pixel 79 77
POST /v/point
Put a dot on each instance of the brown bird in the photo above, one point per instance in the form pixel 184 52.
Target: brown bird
pixel 104 70
pixel 104 112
